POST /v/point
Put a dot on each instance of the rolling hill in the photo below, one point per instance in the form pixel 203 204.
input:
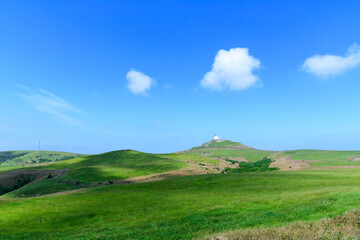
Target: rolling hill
pixel 12 158
pixel 122 166
pixel 100 196
pixel 228 149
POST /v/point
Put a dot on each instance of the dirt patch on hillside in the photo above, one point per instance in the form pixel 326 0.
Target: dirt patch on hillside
pixel 10 178
pixel 354 158
pixel 285 163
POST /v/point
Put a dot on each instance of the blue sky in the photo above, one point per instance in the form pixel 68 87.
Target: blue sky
pixel 162 76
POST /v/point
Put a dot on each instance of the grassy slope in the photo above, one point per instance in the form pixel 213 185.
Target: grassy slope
pixel 10 168
pixel 189 157
pixel 115 165
pixel 9 158
pixel 45 186
pixel 323 158
pixel 182 208
pixel 249 154
pixel 223 144
pixel 230 149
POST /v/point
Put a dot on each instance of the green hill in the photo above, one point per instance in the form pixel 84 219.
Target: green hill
pixel 227 144
pixel 12 158
pixel 108 168
pixel 229 149
pixel 115 165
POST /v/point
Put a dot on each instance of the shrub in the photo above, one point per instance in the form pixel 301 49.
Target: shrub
pixel 258 166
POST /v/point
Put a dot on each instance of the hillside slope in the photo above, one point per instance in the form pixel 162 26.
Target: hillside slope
pixel 115 165
pixel 12 158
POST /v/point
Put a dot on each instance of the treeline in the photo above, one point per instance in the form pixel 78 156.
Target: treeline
pixel 258 166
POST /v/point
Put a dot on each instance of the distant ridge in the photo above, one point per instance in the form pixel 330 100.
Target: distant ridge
pixel 222 144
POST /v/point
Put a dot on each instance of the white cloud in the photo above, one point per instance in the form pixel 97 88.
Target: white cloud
pixel 232 69
pixel 138 82
pixel 332 65
pixel 48 102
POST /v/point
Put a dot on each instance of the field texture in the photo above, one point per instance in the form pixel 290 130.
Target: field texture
pixel 324 158
pixel 184 207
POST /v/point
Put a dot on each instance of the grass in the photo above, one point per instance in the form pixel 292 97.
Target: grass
pixel 190 157
pixel 343 227
pixel 323 158
pixel 249 154
pixel 184 207
pixel 45 186
pixel 115 165
pixel 10 168
pixel 10 158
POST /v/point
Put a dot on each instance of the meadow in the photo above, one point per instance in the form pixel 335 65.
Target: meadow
pixel 250 154
pixel 184 207
pixel 324 158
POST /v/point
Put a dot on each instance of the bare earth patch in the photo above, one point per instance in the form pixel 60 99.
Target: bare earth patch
pixel 285 163
pixel 10 178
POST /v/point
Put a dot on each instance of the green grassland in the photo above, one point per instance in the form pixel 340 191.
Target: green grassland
pixel 10 168
pixel 189 157
pixel 323 158
pixel 10 158
pixel 184 207
pixel 115 165
pixel 46 186
pixel 249 154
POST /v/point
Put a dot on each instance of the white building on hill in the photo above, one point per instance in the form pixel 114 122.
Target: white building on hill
pixel 216 137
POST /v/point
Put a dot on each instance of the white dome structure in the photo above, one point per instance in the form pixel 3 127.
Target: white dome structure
pixel 216 137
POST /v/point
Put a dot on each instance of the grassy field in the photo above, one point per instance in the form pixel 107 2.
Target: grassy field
pixel 190 157
pixel 183 208
pixel 10 168
pixel 115 165
pixel 323 158
pixel 10 158
pixel 249 154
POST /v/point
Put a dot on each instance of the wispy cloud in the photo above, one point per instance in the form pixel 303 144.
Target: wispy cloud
pixel 232 69
pixel 332 65
pixel 49 103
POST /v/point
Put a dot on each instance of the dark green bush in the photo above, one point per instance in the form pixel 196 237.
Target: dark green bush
pixel 258 166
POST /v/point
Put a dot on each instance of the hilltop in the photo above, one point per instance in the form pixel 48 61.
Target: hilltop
pixel 223 149
pixel 222 144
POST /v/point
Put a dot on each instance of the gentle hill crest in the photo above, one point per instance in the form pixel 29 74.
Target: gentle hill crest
pixel 222 144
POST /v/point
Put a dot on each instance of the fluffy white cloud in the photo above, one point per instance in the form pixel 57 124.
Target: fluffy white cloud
pixel 138 82
pixel 232 69
pixel 331 65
